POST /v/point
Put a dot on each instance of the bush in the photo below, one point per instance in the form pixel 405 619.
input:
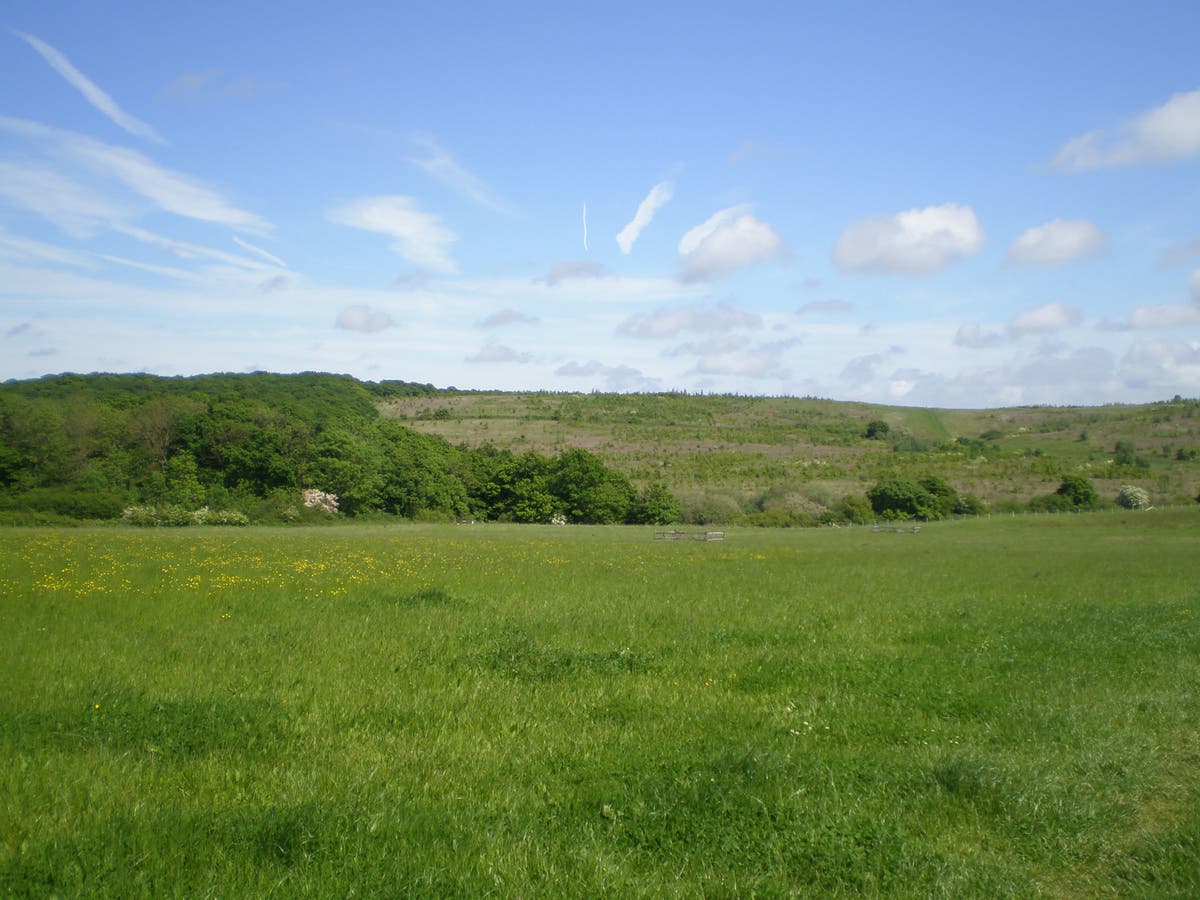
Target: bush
pixel 1079 492
pixel 206 516
pixel 1133 497
pixel 969 505
pixel 899 498
pixel 853 509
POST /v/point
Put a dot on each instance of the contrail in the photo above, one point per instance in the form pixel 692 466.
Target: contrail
pixel 585 246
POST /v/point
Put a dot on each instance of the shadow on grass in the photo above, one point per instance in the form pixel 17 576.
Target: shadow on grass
pixel 126 720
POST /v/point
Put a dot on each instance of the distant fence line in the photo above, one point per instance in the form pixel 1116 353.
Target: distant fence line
pixel 689 535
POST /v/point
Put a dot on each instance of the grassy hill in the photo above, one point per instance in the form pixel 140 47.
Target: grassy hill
pixel 808 452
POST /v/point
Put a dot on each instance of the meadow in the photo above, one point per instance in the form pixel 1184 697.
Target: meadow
pixel 992 707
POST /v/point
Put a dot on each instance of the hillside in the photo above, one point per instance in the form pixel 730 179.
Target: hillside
pixel 95 446
pixel 808 452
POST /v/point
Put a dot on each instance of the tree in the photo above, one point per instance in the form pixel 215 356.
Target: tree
pixel 656 505
pixel 1079 492
pixel 877 430
pixel 588 491
pixel 899 498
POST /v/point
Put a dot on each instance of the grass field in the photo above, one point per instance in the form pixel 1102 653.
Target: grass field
pixel 1003 707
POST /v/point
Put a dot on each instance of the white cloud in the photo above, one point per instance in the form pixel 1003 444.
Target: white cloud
pixel 506 317
pixel 671 322
pixel 420 236
pixel 171 191
pixel 186 250
pixel 914 242
pixel 1167 367
pixel 692 240
pixel 24 249
pixel 1164 316
pixel 736 355
pixel 246 245
pixel 169 271
pixel 1057 242
pixel 497 353
pixel 363 318
pixel 1167 132
pixel 616 378
pixel 973 336
pixel 659 194
pixel 439 164
pixel 1044 319
pixel 75 209
pixel 730 244
pixel 1194 285
pixel 825 306
pixel 572 269
pixel 91 92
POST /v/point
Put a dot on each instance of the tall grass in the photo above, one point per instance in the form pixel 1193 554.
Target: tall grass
pixel 998 708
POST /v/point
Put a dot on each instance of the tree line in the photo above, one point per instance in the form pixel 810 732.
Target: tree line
pixel 95 446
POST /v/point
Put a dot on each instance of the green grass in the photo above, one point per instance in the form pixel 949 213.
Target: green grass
pixel 989 708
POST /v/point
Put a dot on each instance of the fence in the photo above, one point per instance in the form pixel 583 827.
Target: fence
pixel 689 535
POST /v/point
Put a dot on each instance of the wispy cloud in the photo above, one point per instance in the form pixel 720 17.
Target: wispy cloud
pixel 1044 319
pixel 421 238
pixel 616 378
pixel 672 322
pixel 1167 132
pixel 213 82
pixel 737 355
pixel 726 242
pixel 438 163
pixel 572 269
pixel 91 92
pixel 975 337
pixel 169 271
pixel 1058 242
pixel 913 242
pixel 246 245
pixel 825 306
pixel 1182 253
pixel 188 250
pixel 171 191
pixel 364 319
pixel 27 250
pixel 1145 318
pixel 659 195
pixel 75 209
pixel 497 353
pixel 505 317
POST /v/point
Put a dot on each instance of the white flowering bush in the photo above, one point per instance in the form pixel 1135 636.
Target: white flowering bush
pixel 206 516
pixel 558 519
pixel 1133 497
pixel 323 500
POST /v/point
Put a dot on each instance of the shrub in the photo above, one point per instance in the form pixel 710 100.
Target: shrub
pixel 877 430
pixel 899 498
pixel 1133 497
pixel 1079 492
pixel 853 509
pixel 969 505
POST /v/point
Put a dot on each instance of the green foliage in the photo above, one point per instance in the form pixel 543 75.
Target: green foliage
pixel 587 491
pixel 877 430
pixel 1079 492
pixel 655 505
pixel 900 498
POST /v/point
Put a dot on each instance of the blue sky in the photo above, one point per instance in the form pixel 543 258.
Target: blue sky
pixel 934 204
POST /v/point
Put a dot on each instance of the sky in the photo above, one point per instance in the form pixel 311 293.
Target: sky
pixel 928 204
